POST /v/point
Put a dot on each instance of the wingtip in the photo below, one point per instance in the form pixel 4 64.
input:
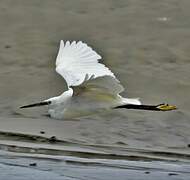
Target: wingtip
pixel 67 43
pixel 61 43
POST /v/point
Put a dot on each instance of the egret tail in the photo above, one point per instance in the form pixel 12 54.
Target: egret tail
pixel 160 107
pixel 43 103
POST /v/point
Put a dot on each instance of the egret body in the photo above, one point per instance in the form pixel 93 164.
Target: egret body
pixel 92 87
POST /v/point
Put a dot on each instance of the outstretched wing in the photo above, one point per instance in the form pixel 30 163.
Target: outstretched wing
pixel 78 64
pixel 107 85
pixel 75 60
pixel 101 92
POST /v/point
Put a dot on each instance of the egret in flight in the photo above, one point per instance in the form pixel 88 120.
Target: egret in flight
pixel 92 87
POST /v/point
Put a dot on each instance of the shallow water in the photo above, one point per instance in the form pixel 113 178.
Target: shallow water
pixel 38 157
pixel 146 45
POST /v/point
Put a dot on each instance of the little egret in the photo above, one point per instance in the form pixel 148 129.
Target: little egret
pixel 92 87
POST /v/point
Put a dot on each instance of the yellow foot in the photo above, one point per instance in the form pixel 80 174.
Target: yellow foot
pixel 166 107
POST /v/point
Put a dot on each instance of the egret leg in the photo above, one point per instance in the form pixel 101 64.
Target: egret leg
pixel 159 107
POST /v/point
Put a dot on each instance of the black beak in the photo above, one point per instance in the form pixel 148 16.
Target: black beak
pixel 37 104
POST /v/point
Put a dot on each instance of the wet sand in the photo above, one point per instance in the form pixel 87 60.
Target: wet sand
pixel 146 45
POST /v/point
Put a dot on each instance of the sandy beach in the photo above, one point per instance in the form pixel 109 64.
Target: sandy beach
pixel 145 43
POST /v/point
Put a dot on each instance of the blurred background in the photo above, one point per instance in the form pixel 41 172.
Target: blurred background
pixel 144 42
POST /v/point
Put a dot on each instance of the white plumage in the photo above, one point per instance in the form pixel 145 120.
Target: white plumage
pixel 76 60
pixel 92 87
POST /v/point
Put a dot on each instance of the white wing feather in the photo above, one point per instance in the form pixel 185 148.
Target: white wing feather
pixel 101 85
pixel 75 60
pixel 78 64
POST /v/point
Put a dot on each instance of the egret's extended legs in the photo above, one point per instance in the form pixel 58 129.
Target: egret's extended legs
pixel 160 107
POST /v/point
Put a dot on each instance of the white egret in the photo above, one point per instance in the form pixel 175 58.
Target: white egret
pixel 92 87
